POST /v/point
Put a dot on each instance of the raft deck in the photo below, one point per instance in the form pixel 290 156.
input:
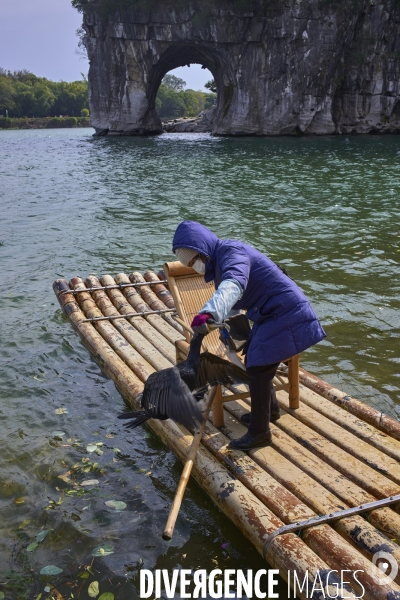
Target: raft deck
pixel 330 454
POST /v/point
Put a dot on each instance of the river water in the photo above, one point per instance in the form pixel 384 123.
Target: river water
pixel 325 208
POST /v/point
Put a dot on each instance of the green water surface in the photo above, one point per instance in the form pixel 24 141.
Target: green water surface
pixel 325 208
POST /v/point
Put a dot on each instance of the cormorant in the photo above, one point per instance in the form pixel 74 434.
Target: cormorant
pixel 174 392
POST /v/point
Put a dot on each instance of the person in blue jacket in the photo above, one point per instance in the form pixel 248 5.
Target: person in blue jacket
pixel 284 322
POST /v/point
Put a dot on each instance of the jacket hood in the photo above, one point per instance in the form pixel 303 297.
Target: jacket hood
pixel 194 235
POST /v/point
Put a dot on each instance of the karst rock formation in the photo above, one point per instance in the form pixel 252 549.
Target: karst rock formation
pixel 281 68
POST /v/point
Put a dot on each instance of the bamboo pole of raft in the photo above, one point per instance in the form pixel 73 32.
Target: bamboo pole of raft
pixel 353 406
pixel 159 288
pixel 143 326
pixel 151 299
pixel 135 300
pixel 126 381
pixel 133 359
pixel 357 471
pixel 353 528
pixel 344 439
pixel 287 553
pixel 132 335
pixel 187 469
pixel 375 437
pixel 162 276
pixel 344 490
pixel 324 540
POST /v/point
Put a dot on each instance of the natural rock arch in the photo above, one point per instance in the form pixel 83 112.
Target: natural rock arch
pixel 306 66
pixel 181 55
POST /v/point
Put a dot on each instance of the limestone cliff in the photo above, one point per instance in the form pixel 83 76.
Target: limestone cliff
pixel 303 66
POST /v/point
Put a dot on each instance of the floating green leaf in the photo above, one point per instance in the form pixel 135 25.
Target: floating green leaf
pixel 91 447
pixel 103 550
pixel 41 536
pixel 2 596
pixel 99 452
pixel 93 589
pixel 58 434
pixel 37 597
pixel 51 570
pixel 61 411
pixel 32 547
pixel 22 525
pixel 106 596
pixel 117 504
pixel 83 575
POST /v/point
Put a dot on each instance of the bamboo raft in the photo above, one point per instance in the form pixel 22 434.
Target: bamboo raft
pixel 330 452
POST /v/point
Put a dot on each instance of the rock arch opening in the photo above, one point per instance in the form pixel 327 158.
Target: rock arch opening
pixel 183 102
pixel 180 55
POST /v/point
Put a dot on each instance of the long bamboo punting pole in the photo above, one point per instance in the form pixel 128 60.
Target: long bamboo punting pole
pixel 135 300
pixel 366 477
pixel 288 553
pixel 151 299
pixel 354 528
pixel 375 437
pixel 346 440
pixel 130 333
pixel 187 469
pixel 143 326
pixel 344 490
pixel 133 359
pixel 355 407
pixel 159 288
pixel 338 552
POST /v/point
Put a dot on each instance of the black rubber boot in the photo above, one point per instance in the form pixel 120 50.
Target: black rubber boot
pixel 248 441
pixel 275 415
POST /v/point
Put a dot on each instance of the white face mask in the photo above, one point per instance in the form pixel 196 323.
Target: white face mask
pixel 199 266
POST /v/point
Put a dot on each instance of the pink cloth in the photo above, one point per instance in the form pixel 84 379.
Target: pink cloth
pixel 201 319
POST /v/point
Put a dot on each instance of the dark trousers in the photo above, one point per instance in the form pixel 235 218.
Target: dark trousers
pixel 263 397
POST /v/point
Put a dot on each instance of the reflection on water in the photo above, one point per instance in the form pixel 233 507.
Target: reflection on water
pixel 326 209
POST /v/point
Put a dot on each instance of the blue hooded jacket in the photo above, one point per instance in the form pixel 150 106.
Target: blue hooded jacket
pixel 284 321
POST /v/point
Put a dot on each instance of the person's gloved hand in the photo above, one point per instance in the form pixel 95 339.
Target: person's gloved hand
pixel 199 323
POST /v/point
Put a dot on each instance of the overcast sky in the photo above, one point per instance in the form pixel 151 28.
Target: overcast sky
pixel 39 35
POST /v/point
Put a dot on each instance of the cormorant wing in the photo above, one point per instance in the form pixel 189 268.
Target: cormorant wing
pixel 168 396
pixel 214 369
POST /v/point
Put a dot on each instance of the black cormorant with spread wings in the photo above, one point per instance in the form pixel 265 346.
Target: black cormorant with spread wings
pixel 173 393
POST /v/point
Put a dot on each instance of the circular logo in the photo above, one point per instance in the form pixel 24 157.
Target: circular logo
pixel 385 568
